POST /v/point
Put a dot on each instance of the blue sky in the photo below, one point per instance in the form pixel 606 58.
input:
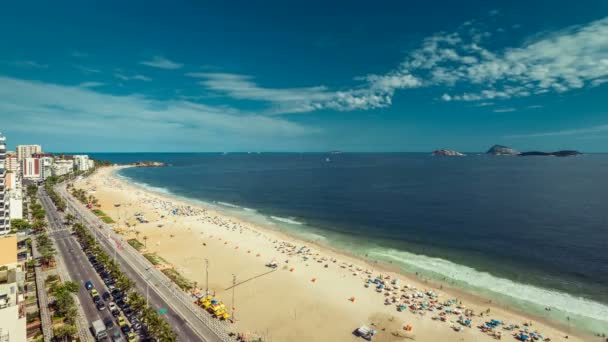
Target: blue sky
pixel 304 76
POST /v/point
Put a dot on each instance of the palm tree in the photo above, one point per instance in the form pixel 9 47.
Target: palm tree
pixel 136 301
pixel 65 332
pixel 137 232
pixel 145 241
pixel 124 283
pixel 69 218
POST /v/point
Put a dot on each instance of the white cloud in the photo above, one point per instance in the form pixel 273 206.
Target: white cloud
pixel 569 59
pixel 162 63
pixel 504 110
pixel 561 61
pixel 29 64
pixel 87 70
pixel 305 99
pixel 134 77
pixel 81 111
pixel 90 84
pixel 79 54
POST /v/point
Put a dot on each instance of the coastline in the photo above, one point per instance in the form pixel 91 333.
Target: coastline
pixel 425 327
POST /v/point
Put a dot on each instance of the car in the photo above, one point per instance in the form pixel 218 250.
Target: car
pixel 100 305
pixel 127 310
pixel 106 296
pixel 109 322
pixel 136 326
pixel 125 329
pixel 94 292
pixel 112 306
pixel 88 285
pixel 121 303
pixel 121 321
pixel 131 337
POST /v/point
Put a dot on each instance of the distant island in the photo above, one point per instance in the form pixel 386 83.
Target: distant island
pixel 149 164
pixel 566 153
pixel 447 153
pixel 500 150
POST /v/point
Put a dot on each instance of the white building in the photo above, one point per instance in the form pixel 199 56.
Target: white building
pixel 31 168
pixel 46 167
pixel 5 222
pixel 62 167
pixel 14 192
pixel 91 164
pixel 81 162
pixel 26 151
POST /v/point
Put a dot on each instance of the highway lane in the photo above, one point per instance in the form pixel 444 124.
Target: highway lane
pixel 148 284
pixel 77 265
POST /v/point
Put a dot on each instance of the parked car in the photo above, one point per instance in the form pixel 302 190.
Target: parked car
pixel 125 329
pixel 131 337
pixel 100 305
pixel 88 285
pixel 109 322
pixel 106 296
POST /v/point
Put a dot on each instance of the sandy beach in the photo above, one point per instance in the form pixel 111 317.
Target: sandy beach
pixel 315 293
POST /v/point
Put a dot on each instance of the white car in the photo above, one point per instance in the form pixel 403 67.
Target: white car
pixel 112 306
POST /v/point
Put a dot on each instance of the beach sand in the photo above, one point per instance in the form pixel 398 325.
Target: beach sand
pixel 302 300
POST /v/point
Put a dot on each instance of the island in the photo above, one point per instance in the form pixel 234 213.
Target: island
pixel 149 164
pixel 564 153
pixel 500 150
pixel 447 153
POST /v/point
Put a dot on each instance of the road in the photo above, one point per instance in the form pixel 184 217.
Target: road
pixel 77 265
pixel 187 320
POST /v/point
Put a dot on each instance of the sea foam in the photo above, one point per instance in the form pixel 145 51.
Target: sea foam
pixel 470 277
pixel 286 220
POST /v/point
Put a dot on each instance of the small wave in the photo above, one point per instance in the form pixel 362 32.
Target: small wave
pixel 230 205
pixel 145 186
pixel 251 210
pixel 286 220
pixel 541 297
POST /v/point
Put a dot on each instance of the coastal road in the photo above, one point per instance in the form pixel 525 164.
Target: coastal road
pixel 189 322
pixel 77 265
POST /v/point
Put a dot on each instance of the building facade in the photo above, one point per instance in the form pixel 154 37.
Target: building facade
pixel 5 222
pixel 46 167
pixel 81 162
pixel 62 167
pixel 26 151
pixel 31 168
pixel 11 162
pixel 12 302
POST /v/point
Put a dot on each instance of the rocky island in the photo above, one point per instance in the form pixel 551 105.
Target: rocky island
pixel 564 153
pixel 149 164
pixel 447 153
pixel 500 150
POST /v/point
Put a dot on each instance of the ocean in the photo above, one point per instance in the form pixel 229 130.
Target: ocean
pixel 531 232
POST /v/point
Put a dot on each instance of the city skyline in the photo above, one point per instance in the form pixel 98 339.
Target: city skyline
pixel 198 77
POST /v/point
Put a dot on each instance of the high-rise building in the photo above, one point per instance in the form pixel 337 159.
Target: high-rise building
pixel 31 168
pixel 26 151
pixel 81 162
pixel 11 162
pixel 46 167
pixel 5 225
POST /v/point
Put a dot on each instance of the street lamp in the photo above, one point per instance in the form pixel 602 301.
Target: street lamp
pixel 207 276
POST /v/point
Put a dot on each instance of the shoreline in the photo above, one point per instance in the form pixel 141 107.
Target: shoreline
pixel 378 266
